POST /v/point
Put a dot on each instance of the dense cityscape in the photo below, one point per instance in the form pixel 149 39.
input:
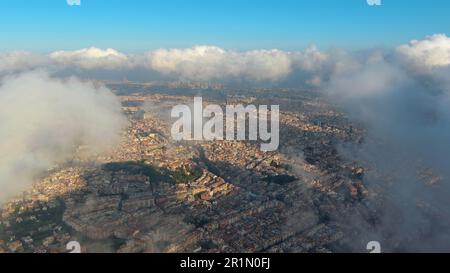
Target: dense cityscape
pixel 152 194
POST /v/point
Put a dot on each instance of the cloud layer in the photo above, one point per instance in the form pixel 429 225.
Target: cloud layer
pixel 43 122
pixel 199 63
pixel 403 98
pixel 91 58
pixel 212 63
pixel 434 51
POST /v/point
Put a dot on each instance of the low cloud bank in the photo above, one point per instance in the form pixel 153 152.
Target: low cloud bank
pixel 403 99
pixel 44 121
pixel 211 63
pixel 91 58
pixel 434 51
pixel 207 63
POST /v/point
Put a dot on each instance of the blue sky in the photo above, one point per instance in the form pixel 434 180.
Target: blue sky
pixel 138 25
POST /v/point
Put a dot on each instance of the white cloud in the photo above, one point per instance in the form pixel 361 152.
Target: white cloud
pixel 212 63
pixel 372 79
pixel 21 60
pixel 434 51
pixel 311 59
pixel 43 121
pixel 91 58
pixel 199 63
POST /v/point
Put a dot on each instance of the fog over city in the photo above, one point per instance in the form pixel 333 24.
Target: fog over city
pixel 45 120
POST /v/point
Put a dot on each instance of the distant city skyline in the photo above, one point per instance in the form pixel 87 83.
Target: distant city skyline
pixel 137 26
